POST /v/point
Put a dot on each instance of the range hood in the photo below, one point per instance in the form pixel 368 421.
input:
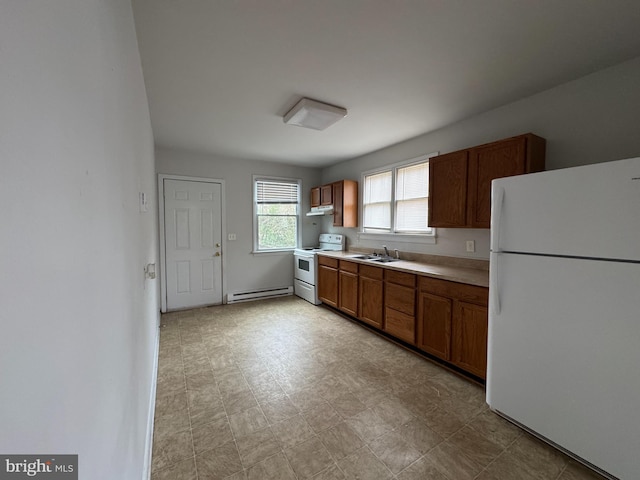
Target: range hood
pixel 321 210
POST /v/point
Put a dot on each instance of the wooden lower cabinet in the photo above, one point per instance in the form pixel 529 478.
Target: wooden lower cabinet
pixel 434 325
pixel 469 346
pixel 445 319
pixel 370 295
pixel 348 288
pixel 328 281
pixel 452 323
pixel 399 305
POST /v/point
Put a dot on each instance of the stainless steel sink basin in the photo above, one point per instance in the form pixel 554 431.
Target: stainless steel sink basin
pixel 375 258
pixel 384 259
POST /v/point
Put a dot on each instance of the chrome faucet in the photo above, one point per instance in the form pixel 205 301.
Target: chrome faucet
pixel 386 251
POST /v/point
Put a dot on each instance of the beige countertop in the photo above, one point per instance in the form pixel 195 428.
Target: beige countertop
pixel 440 270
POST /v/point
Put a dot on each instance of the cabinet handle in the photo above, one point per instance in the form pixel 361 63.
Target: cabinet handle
pixel 494 288
pixel 497 197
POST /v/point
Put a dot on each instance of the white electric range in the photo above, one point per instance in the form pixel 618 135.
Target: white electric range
pixel 305 269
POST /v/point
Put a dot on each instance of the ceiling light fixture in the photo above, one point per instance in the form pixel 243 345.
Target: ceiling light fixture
pixel 313 114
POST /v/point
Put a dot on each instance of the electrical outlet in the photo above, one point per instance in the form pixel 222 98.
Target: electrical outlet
pixel 143 202
pixel 232 236
pixel 471 246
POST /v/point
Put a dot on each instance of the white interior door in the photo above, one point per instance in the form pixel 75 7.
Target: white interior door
pixel 193 239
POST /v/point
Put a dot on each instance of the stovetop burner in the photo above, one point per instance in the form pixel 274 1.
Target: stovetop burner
pixel 328 242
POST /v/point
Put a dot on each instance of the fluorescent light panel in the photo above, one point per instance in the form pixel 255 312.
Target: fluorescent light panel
pixel 313 114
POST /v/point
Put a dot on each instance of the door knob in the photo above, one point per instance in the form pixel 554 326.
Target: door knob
pixel 217 254
pixel 217 244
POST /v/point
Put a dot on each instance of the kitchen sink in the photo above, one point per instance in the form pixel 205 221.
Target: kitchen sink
pixel 384 259
pixel 364 257
pixel 375 258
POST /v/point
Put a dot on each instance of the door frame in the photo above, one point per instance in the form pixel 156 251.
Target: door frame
pixel 161 232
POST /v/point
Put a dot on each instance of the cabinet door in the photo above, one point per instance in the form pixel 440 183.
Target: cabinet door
pixel 315 197
pixel 348 293
pixel 448 190
pixel 370 300
pixel 469 346
pixel 326 195
pixel 434 325
pixel 349 203
pixel 338 211
pixel 400 325
pixel 328 285
pixel 500 159
pixel 400 298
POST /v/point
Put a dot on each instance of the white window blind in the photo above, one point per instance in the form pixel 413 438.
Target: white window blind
pixel 270 192
pixel 395 199
pixel 377 201
pixel 412 187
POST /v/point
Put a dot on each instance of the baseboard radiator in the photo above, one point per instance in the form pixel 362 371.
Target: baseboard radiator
pixel 259 294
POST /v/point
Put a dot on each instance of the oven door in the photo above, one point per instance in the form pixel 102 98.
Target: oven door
pixel 304 268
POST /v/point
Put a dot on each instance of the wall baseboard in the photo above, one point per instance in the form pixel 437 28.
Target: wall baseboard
pixel 152 409
pixel 259 294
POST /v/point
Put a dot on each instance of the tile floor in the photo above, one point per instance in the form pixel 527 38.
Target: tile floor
pixel 280 389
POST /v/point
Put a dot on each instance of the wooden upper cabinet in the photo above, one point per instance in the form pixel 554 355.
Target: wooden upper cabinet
pixel 460 182
pixel 315 197
pixel 343 195
pixel 448 189
pixel 345 203
pixel 502 159
pixel 326 194
pixel 338 204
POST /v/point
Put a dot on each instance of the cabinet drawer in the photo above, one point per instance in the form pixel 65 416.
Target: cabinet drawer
pixel 400 298
pixel 346 266
pixel 374 273
pixel 329 262
pixel 459 291
pixel 400 325
pixel 400 278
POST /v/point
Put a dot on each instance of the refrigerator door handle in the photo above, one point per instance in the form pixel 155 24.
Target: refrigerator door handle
pixel 497 197
pixel 494 287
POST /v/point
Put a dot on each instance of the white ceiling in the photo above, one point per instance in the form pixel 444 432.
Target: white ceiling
pixel 221 73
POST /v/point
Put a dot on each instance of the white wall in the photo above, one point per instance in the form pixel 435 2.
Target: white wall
pixel 246 270
pixel 590 120
pixel 79 322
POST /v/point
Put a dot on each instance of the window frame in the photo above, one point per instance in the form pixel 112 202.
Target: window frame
pixel 393 233
pixel 298 216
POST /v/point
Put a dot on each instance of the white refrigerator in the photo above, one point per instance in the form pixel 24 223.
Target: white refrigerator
pixel 564 310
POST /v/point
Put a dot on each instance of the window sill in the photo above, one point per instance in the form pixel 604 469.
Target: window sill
pixel 283 251
pixel 399 237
